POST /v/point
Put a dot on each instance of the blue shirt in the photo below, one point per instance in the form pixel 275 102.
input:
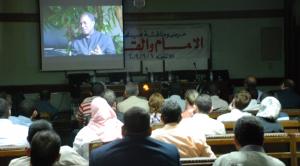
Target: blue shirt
pixel 20 120
pixel 83 45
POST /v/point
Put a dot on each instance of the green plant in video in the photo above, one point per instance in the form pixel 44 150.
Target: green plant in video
pixel 108 20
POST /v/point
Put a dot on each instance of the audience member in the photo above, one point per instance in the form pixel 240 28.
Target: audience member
pixel 174 94
pixel 201 120
pixel 190 107
pixel 131 98
pixel 103 126
pixel 253 104
pixel 68 156
pixel 239 102
pixel 155 103
pixel 136 148
pixel 287 96
pixel 27 113
pixel 10 134
pixel 248 139
pixel 187 141
pixel 7 97
pixel 110 97
pixel 282 115
pixel 218 104
pixel 43 105
pixel 268 114
pixel 84 113
pixel 44 148
pixel 250 83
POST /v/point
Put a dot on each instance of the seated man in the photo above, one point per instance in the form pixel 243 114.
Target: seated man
pixel 10 134
pixel 136 148
pixel 201 121
pixel 239 102
pixel 91 42
pixel 68 156
pixel 84 113
pixel 218 103
pixel 248 139
pixel 43 106
pixel 287 95
pixel 110 96
pixel 44 147
pixel 131 94
pixel 188 142
pixel 27 113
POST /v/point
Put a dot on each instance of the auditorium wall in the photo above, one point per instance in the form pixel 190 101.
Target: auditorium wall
pixel 236 41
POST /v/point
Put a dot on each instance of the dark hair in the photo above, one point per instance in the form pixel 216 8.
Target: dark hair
pixel 253 92
pixel 45 146
pixel 137 121
pixel 242 99
pixel 4 108
pixel 132 89
pixel 98 88
pixel 36 126
pixel 204 103
pixel 249 131
pixel 213 89
pixel 45 95
pixel 250 82
pixel 109 96
pixel 171 112
pixel 7 97
pixel 288 83
pixel 175 89
pixel 27 107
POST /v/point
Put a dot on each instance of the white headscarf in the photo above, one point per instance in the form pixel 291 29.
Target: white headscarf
pixel 270 108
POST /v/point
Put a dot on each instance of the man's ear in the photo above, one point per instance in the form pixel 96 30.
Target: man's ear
pixel 149 132
pixel 57 157
pixel 236 143
pixel 34 114
pixel 27 151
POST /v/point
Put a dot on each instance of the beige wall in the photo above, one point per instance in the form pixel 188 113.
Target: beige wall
pixel 235 42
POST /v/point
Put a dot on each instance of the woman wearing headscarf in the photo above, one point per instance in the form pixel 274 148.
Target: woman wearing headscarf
pixel 268 114
pixel 103 126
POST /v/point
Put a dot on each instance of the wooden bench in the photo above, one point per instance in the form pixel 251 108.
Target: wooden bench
pixel 193 161
pixel 289 126
pixel 280 145
pixel 293 113
pixel 200 161
pixel 7 154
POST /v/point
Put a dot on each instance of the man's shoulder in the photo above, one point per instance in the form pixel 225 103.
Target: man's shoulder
pixel 247 158
pixel 22 161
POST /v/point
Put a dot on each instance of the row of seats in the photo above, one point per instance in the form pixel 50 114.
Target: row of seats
pixel 289 126
pixel 293 113
pixel 284 146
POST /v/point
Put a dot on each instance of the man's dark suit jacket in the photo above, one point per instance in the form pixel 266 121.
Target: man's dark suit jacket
pixel 288 98
pixel 135 151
